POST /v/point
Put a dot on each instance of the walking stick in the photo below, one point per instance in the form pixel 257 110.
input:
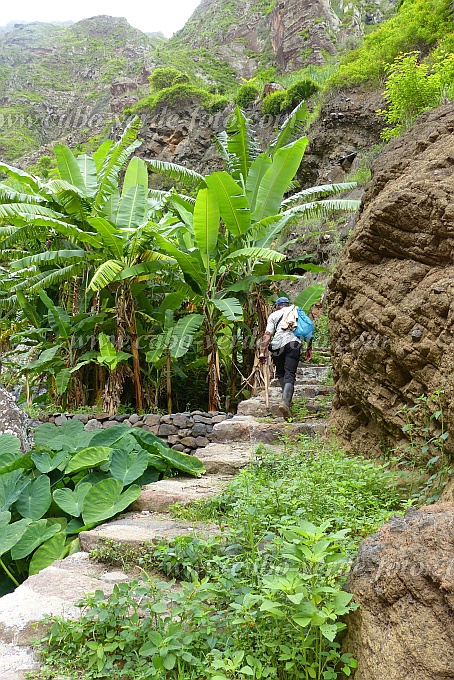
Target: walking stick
pixel 266 375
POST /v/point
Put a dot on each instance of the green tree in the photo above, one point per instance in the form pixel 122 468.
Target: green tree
pixel 86 230
pixel 230 231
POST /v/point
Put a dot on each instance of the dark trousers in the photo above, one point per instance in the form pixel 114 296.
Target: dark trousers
pixel 286 360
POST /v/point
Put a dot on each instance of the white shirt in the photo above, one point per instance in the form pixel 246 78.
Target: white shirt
pixel 280 337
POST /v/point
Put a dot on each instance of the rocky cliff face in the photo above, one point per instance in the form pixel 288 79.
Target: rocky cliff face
pixel 289 33
pixel 391 297
pixel 403 580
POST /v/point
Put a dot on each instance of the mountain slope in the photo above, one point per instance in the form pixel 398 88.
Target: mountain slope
pixel 289 33
pixel 55 80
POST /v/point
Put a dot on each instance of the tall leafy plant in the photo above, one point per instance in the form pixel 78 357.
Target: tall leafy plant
pixel 71 481
pixel 86 230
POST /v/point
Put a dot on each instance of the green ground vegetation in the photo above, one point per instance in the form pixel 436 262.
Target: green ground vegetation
pixel 264 598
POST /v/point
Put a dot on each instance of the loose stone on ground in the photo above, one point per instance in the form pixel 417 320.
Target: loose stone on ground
pixel 158 497
pixel 144 528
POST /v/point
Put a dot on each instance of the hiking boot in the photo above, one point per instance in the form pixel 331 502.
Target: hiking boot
pixel 284 406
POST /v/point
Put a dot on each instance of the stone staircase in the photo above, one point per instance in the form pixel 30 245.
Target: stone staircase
pixel 235 441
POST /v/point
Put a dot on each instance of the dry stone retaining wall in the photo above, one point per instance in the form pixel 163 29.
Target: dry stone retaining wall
pixel 180 431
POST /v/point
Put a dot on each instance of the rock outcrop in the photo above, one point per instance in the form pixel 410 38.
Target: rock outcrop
pixel 293 33
pixel 403 580
pixel 12 419
pixel 391 297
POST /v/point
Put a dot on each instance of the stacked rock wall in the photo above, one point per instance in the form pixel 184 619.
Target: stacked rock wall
pixel 392 295
pixel 180 431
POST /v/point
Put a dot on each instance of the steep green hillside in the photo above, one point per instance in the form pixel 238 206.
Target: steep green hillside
pixel 56 80
pixel 420 25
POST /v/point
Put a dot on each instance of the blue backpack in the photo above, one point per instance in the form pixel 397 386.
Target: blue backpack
pixel 305 328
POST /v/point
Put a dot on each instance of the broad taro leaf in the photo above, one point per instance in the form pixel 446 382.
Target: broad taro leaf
pixel 11 534
pixel 182 461
pixel 157 462
pixel 11 457
pixel 15 461
pixel 53 549
pixel 46 463
pixel 5 518
pixel 91 457
pixel 127 467
pixel 35 499
pixel 71 501
pixel 61 521
pixel 11 486
pixel 70 436
pixel 110 436
pixel 9 444
pixel 7 460
pixel 106 499
pixel 35 534
pixel 150 476
pixel 173 459
pixel 92 477
pixel 149 441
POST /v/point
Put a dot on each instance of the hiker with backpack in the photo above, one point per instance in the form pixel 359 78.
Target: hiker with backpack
pixel 287 326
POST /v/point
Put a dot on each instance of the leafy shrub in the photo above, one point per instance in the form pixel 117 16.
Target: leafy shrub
pixel 166 76
pixel 314 481
pixel 299 91
pixel 413 87
pixel 172 96
pixel 81 477
pixel 272 103
pixel 246 95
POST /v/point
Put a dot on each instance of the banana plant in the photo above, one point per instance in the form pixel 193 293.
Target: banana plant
pixel 203 249
pixel 172 344
pixel 229 251
pixel 87 230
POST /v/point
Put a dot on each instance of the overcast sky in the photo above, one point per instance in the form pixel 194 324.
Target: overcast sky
pixel 166 16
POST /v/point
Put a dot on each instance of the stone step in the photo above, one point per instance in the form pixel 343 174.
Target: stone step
pixel 302 390
pixel 52 592
pixel 313 373
pixel 228 458
pixel 311 394
pixel 249 429
pixel 136 529
pixel 158 497
pixel 16 661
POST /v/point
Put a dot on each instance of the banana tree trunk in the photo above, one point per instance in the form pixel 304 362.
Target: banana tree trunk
pixel 214 373
pixel 169 381
pixel 255 316
pixel 130 315
pixel 126 325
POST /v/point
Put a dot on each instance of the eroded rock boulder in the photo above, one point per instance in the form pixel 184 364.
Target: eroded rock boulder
pixel 12 419
pixel 403 580
pixel 392 295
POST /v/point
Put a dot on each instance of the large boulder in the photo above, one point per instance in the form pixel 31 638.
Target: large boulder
pixel 403 580
pixel 12 419
pixel 392 294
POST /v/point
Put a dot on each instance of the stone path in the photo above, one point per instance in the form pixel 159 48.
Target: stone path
pixel 235 441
